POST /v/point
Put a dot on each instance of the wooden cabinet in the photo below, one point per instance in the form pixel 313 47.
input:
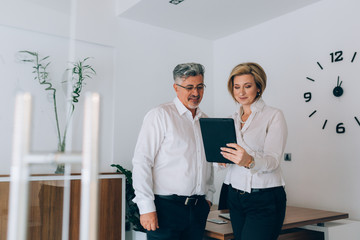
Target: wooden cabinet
pixel 46 207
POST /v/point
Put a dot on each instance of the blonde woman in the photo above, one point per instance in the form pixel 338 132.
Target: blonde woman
pixel 256 195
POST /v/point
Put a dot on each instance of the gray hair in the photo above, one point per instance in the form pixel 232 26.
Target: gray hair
pixel 185 70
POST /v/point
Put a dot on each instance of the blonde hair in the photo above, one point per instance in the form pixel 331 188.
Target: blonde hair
pixel 253 69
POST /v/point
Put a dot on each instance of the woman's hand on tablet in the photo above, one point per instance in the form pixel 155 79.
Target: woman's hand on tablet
pixel 236 154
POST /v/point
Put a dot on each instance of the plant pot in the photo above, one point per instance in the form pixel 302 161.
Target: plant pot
pixel 136 235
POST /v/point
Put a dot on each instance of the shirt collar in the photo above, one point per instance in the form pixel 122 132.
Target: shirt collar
pixel 256 106
pixel 182 109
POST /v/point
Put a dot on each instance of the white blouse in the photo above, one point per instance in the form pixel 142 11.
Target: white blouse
pixel 263 136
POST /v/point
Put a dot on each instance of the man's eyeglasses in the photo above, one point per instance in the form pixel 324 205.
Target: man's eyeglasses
pixel 189 88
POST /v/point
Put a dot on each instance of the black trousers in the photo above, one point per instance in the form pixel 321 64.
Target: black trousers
pixel 178 221
pixel 258 215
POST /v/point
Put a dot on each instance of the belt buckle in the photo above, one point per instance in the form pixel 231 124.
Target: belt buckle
pixel 255 190
pixel 189 199
pixel 241 192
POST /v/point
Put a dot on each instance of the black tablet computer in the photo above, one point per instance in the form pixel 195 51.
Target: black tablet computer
pixel 216 133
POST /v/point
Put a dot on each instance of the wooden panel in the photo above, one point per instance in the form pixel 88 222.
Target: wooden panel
pixel 75 199
pixel 109 209
pixel 4 200
pixel 46 204
pixel 110 213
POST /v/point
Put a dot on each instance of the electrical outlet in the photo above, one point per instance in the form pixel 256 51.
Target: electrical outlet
pixel 287 156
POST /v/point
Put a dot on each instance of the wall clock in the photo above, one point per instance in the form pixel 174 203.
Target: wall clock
pixel 335 83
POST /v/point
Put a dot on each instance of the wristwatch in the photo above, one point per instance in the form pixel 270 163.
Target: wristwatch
pixel 251 164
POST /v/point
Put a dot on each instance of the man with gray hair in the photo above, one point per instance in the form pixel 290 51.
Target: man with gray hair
pixel 173 183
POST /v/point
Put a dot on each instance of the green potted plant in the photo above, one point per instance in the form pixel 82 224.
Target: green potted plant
pixel 80 71
pixel 132 216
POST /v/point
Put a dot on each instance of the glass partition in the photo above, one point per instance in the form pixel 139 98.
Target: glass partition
pixel 48 49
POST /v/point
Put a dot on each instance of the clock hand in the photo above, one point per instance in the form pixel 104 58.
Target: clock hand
pixel 338 91
pixel 339 85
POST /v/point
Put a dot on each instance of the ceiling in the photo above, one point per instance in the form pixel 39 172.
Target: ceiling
pixel 210 19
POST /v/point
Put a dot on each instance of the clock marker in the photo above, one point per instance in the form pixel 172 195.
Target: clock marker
pixel 310 79
pixel 320 65
pixel 353 57
pixel 312 113
pixel 357 120
pixel 324 124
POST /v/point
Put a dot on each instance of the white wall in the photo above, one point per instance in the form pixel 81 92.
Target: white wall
pixel 146 56
pixel 324 169
pixel 134 64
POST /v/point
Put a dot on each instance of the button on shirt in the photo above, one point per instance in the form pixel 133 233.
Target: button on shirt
pixel 169 156
pixel 263 136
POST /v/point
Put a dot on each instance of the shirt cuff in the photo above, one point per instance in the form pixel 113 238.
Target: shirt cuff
pixel 209 196
pixel 146 206
pixel 258 165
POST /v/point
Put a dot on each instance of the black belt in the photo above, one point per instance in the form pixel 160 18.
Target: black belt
pixel 256 190
pixel 186 200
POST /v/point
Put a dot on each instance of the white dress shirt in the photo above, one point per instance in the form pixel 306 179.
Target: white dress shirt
pixel 169 156
pixel 263 136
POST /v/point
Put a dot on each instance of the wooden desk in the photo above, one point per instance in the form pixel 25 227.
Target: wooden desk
pixel 295 217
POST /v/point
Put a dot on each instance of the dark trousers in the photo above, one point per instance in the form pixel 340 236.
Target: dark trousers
pixel 258 215
pixel 223 199
pixel 178 221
